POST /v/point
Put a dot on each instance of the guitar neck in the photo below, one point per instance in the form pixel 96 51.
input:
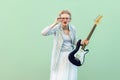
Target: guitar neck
pixel 91 32
pixel 89 36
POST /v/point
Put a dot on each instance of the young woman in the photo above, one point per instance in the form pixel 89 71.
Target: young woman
pixel 64 43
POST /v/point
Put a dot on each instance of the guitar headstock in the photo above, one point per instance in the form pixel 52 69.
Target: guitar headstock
pixel 97 21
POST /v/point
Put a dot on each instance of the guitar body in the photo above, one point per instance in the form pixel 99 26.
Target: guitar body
pixel 75 57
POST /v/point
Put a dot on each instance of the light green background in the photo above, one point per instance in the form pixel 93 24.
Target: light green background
pixel 25 54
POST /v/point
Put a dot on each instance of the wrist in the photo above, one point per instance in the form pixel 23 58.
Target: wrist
pixel 52 25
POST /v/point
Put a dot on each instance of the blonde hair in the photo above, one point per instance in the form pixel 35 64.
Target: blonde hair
pixel 65 12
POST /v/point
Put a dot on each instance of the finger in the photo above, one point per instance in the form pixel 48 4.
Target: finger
pixel 59 19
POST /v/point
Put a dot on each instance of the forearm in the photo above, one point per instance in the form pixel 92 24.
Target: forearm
pixel 47 29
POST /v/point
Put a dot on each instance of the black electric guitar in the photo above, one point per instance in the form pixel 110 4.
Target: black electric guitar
pixel 77 56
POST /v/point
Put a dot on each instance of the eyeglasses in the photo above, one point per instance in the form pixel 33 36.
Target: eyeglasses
pixel 65 18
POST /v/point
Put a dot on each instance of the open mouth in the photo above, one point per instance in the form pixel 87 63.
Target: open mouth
pixel 65 22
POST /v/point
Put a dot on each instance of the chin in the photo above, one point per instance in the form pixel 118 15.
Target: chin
pixel 63 24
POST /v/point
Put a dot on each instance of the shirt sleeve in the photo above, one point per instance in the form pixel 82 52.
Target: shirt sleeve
pixel 49 31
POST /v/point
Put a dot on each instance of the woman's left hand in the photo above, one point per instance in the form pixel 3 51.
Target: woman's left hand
pixel 85 42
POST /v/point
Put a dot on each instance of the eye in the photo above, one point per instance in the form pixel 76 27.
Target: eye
pixel 65 18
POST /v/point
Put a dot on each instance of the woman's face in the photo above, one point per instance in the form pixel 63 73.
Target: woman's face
pixel 65 19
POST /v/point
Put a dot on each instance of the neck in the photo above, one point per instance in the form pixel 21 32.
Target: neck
pixel 65 27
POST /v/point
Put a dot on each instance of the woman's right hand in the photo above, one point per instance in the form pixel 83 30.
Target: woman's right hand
pixel 57 20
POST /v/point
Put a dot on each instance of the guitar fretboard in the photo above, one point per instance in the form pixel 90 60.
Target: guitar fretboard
pixel 89 36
